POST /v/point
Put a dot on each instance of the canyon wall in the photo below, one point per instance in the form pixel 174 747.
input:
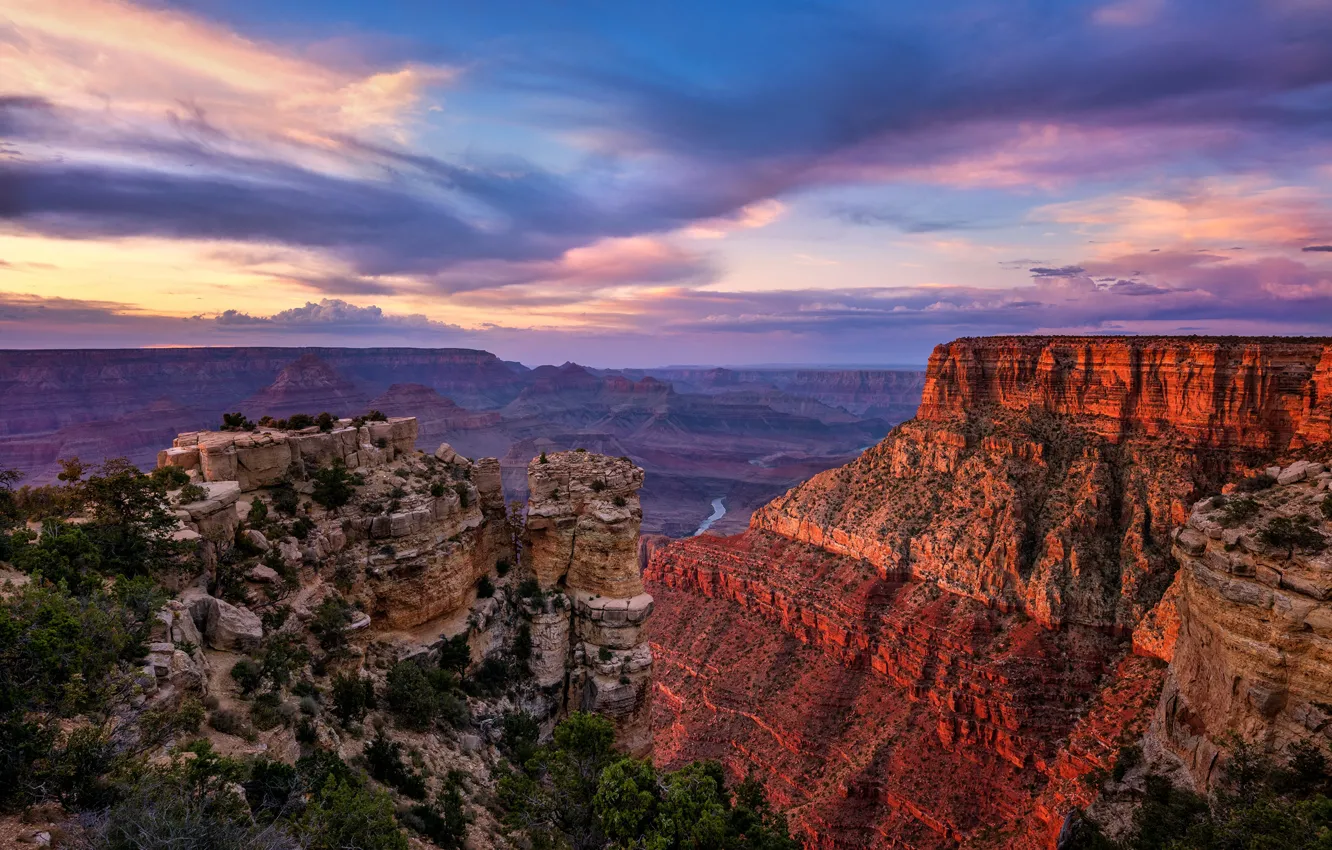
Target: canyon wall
pixel 580 543
pixel 1048 473
pixel 930 646
pixel 1253 651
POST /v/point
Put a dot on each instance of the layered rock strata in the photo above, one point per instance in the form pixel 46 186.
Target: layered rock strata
pixel 265 457
pixel 580 544
pixel 931 645
pixel 1048 473
pixel 1253 653
pixel 883 713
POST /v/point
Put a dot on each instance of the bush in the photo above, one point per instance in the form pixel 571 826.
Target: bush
pixel 333 485
pixel 444 823
pixel 521 733
pixel 330 621
pixel 376 416
pixel 455 654
pixel 247 675
pixel 1291 533
pixel 485 588
pixel 353 696
pixel 236 422
pixel 266 711
pixel 258 514
pixel 326 421
pixel 285 499
pixel 437 490
pixel 544 459
pixel 1326 506
pixel 619 501
pixel 464 495
pixel 412 696
pixel 171 477
pixel 383 759
pixel 1236 511
pixel 344 814
pixel 230 722
pixel 502 566
pixel 598 485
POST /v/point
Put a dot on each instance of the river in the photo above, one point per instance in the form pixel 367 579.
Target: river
pixel 718 511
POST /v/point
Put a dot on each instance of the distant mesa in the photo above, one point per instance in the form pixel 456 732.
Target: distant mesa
pixel 307 385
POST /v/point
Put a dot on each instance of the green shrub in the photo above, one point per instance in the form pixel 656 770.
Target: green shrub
pixel 383 758
pixel 619 501
pixel 171 477
pixel 326 421
pixel 1237 511
pixel 1292 533
pixel 345 814
pixel 353 696
pixel 191 493
pixel 502 567
pixel 1326 506
pixel 485 588
pixel 236 422
pixel 333 485
pixel 330 621
pixel 247 675
pixel 445 822
pixel 265 711
pixel 376 416
pixel 230 722
pixel 285 498
pixel 258 514
pixel 437 490
pixel 544 459
pixel 464 495
pixel 412 696
pixel 455 654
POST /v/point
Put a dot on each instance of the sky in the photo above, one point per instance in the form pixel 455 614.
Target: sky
pixel 651 183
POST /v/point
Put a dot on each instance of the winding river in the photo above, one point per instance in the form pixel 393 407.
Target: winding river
pixel 718 511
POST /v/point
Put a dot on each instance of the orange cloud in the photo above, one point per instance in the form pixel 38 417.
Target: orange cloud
pixel 1218 212
pixel 128 63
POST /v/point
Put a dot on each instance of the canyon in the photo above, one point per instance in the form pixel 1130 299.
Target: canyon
pixel 951 640
pixel 746 435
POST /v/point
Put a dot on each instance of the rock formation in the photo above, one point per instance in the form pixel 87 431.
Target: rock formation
pixel 1047 473
pixel 931 645
pixel 580 543
pixel 1253 655
pixel 263 458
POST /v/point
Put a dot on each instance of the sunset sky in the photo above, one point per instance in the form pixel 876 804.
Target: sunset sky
pixel 650 183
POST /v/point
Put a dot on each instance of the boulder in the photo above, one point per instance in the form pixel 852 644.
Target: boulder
pixel 257 539
pixel 263 574
pixel 230 627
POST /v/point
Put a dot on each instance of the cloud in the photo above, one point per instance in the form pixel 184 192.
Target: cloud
pixel 1317 248
pixel 874 216
pixel 332 315
pixel 1061 271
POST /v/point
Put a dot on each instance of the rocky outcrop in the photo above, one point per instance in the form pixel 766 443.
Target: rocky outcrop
pixel 426 555
pixel 580 543
pixel 1253 654
pixel 266 457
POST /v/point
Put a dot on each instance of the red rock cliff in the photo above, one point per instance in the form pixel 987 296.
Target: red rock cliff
pixel 1048 473
pixel 928 647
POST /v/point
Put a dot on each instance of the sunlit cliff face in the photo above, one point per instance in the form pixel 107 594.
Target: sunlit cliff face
pixel 759 184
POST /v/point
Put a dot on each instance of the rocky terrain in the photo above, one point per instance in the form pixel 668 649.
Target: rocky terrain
pixel 744 441
pixel 933 645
